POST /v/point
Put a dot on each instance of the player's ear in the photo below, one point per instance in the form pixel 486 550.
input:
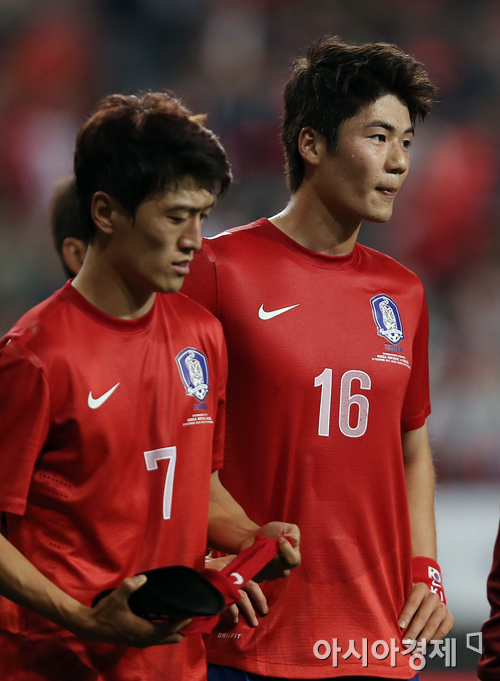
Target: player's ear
pixel 311 144
pixel 104 210
pixel 73 252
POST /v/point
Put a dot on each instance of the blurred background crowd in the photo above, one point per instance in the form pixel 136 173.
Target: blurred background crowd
pixel 229 59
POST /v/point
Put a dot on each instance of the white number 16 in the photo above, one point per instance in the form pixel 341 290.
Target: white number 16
pixel 152 457
pixel 347 400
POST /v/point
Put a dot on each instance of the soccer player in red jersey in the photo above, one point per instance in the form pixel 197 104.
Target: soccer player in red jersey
pixel 328 381
pixel 112 395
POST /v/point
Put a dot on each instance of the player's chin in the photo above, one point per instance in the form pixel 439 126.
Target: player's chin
pixel 380 216
pixel 169 285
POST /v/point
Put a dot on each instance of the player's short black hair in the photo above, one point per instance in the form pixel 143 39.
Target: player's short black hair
pixel 65 217
pixel 135 146
pixel 335 80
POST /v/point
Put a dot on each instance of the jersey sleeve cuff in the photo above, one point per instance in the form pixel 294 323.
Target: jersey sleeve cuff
pixel 415 422
pixel 13 505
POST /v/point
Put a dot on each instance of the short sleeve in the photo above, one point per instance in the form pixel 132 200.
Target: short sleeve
pixel 24 417
pixel 416 406
pixel 220 424
pixel 201 282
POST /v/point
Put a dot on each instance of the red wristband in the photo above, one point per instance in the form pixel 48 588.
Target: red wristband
pixel 426 570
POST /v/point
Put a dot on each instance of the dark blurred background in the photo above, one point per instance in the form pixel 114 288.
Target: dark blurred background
pixel 230 59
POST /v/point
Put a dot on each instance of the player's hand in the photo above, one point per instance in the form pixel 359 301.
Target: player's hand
pixel 424 615
pixel 252 601
pixel 112 621
pixel 289 555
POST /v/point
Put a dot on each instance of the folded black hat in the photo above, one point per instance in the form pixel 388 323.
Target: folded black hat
pixel 178 591
pixel 173 591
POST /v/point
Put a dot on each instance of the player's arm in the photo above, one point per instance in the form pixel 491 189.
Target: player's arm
pixel 231 530
pixel 423 615
pixel 110 621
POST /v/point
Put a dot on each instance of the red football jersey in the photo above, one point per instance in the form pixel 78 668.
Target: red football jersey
pixel 109 432
pixel 489 662
pixel 327 364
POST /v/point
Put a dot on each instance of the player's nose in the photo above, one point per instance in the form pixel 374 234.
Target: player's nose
pixel 398 160
pixel 191 237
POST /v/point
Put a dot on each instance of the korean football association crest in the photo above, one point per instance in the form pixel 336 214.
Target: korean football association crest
pixel 193 368
pixel 387 318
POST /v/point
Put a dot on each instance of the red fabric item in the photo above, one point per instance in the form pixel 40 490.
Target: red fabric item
pixel 317 399
pixel 228 580
pixel 427 570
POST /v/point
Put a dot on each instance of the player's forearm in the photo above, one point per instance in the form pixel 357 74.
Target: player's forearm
pixel 420 484
pixel 419 479
pixel 229 527
pixel 21 582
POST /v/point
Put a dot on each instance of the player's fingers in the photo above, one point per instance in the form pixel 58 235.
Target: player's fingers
pixel 277 528
pixel 257 597
pixel 170 629
pixel 290 555
pixel 444 625
pixel 127 587
pixel 424 615
pixel 247 610
pixel 431 626
pixel 292 531
pixel 287 558
pixel 411 605
pixel 232 612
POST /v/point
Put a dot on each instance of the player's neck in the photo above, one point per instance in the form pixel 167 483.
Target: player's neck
pixel 307 221
pixel 103 287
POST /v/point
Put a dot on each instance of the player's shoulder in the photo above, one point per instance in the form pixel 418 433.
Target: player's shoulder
pixel 387 266
pixel 190 313
pixel 186 307
pixel 38 320
pixel 225 243
pixel 28 338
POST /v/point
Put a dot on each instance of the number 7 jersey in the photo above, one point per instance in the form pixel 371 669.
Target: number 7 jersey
pixel 109 430
pixel 327 365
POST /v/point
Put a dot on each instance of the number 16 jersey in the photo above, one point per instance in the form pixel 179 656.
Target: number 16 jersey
pixel 327 365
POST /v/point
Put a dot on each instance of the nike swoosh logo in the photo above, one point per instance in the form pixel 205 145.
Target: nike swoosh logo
pixel 96 403
pixel 274 313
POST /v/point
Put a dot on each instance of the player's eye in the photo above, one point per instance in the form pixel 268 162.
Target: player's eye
pixel 407 144
pixel 380 137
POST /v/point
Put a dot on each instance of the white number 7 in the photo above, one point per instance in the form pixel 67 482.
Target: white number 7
pixel 152 457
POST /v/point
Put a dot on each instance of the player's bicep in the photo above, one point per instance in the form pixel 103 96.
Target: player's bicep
pixel 416 445
pixel 416 406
